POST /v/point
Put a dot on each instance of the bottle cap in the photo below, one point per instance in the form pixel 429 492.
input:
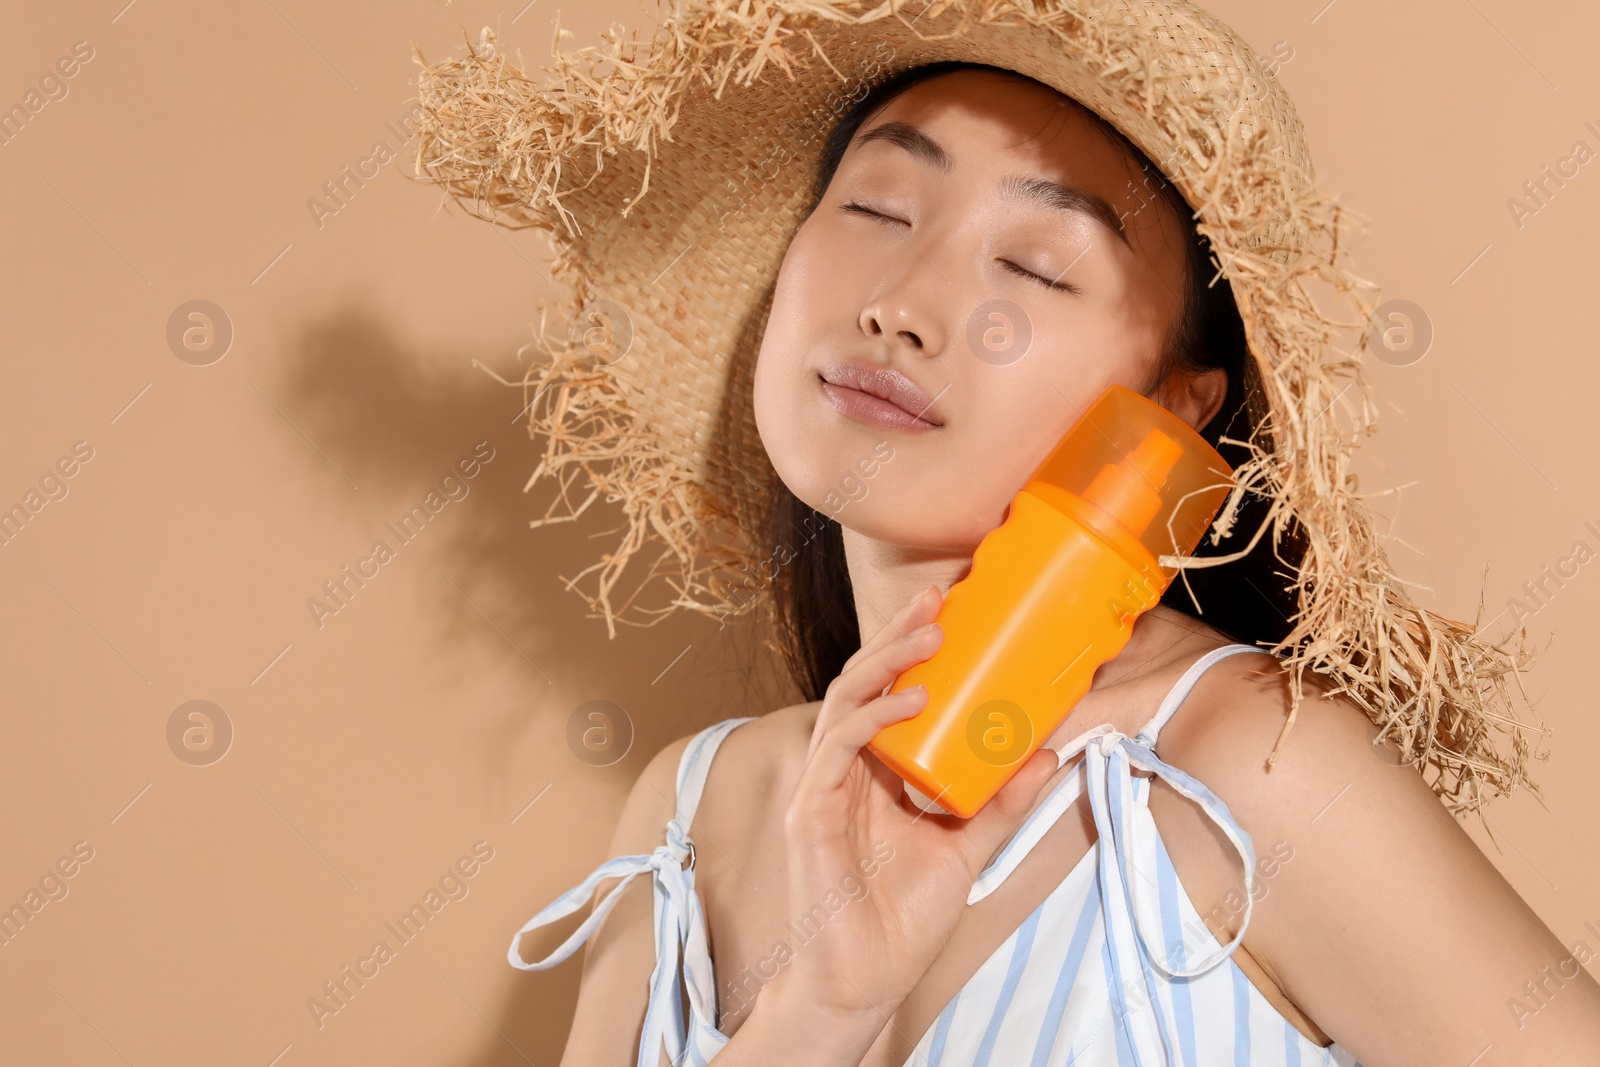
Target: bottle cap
pixel 1142 469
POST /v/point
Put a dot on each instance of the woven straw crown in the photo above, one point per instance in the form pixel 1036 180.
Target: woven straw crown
pixel 672 174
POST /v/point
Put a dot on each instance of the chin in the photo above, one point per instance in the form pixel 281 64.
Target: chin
pixel 862 477
pixel 920 522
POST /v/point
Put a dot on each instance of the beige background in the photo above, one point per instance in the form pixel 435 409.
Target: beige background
pixel 372 752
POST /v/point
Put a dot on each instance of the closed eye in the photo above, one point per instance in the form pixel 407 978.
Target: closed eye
pixel 1058 284
pixel 861 209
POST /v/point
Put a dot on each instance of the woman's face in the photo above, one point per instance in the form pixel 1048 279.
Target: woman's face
pixel 969 242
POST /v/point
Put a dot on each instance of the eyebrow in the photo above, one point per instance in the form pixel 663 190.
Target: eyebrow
pixel 1032 189
pixel 913 140
pixel 1053 194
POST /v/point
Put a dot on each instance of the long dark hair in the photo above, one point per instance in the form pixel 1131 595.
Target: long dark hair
pixel 1250 600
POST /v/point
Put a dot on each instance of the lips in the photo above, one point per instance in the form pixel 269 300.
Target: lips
pixel 890 386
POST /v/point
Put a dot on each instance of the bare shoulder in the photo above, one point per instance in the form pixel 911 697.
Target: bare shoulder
pixel 750 766
pixel 1327 778
pixel 754 771
pixel 1387 925
pixel 619 955
pixel 650 804
pixel 1235 715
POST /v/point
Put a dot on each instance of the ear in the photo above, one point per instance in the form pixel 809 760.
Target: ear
pixel 1195 398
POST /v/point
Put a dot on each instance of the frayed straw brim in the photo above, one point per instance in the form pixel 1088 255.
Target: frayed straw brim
pixel 671 175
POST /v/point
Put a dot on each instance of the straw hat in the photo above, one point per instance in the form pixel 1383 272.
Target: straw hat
pixel 671 174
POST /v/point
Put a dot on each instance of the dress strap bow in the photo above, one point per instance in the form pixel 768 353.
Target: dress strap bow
pixel 1109 755
pixel 680 933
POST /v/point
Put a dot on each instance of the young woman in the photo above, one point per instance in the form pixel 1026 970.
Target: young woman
pixel 1100 909
pixel 922 216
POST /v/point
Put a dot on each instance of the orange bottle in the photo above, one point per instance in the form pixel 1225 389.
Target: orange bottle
pixel 1052 593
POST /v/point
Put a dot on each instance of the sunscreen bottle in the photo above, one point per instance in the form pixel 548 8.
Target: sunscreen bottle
pixel 1053 593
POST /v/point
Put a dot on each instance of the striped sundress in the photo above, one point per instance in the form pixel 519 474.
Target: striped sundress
pixel 1113 969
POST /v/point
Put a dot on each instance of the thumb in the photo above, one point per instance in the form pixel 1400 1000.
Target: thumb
pixel 1000 817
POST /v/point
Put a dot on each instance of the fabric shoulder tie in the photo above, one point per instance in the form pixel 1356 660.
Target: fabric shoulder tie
pixel 1109 756
pixel 679 923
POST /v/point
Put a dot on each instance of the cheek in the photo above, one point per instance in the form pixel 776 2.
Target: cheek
pixel 810 287
pixel 781 355
pixel 801 303
pixel 830 271
pixel 1016 417
pixel 1134 327
pixel 1084 348
pixel 795 335
pixel 1001 445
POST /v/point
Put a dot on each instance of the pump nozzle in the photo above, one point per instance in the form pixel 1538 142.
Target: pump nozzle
pixel 1130 491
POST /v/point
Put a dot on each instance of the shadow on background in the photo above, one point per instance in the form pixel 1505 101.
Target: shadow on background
pixel 397 420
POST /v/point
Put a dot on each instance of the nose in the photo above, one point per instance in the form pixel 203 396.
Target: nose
pixel 904 312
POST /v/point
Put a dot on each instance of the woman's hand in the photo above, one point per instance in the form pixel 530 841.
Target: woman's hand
pixel 871 953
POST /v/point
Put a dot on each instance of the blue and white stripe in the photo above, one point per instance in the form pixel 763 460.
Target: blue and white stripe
pixel 1099 975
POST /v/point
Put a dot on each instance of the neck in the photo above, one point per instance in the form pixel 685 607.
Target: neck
pixel 884 577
